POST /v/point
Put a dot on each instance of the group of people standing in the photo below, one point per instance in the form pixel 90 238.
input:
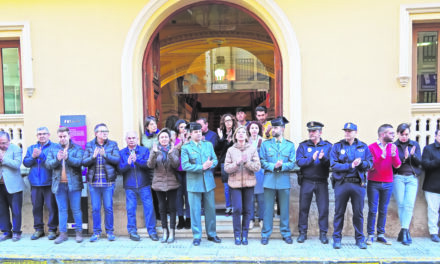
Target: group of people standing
pixel 175 166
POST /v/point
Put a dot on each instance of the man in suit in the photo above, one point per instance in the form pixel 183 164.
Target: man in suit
pixel 11 189
pixel 277 157
pixel 198 159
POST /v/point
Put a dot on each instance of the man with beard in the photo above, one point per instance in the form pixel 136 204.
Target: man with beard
pixel 198 159
pixel 261 115
pixel 277 159
pixel 207 134
pixel 380 181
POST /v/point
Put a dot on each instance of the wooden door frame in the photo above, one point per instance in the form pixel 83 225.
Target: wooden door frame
pixel 278 67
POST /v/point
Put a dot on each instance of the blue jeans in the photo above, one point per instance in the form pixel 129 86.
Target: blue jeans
pixel 14 203
pixel 379 194
pixel 144 193
pixel 63 197
pixel 182 195
pixel 405 193
pixel 242 200
pixel 98 196
pixel 225 184
pixel 259 197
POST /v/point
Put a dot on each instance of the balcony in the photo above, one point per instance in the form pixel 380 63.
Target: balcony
pixel 425 121
pixel 14 125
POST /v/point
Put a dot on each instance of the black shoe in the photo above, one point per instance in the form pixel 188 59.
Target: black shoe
pixel 361 244
pixel 37 235
pixel 188 223
pixel 214 239
pixel 323 237
pixel 336 244
pixel 400 236
pixel 154 237
pixel 181 223
pixel 134 236
pixel 196 241
pixel 264 240
pixel 244 240
pixel 405 240
pixel 435 238
pixel 52 235
pixel 288 240
pixel 302 237
pixel 237 240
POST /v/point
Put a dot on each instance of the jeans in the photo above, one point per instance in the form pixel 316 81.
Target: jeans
pixel 98 196
pixel 433 200
pixel 167 202
pixel 63 197
pixel 379 194
pixel 343 193
pixel 405 193
pixel 260 204
pixel 131 196
pixel 320 189
pixel 13 202
pixel 269 201
pixel 242 200
pixel 182 195
pixel 41 195
pixel 226 186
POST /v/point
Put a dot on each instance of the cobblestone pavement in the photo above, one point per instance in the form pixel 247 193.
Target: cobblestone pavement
pixel 127 251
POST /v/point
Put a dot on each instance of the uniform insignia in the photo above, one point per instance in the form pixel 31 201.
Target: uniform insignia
pixel 348 126
pixel 309 149
pixel 342 151
pixel 361 150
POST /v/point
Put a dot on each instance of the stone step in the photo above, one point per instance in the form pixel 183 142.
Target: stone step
pixel 223 227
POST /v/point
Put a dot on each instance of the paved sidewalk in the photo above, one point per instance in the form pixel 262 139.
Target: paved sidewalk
pixel 127 251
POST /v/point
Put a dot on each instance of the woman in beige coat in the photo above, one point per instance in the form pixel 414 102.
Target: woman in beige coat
pixel 165 159
pixel 241 163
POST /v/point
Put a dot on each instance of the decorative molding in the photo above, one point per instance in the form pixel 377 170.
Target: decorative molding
pixel 407 16
pixel 131 61
pixel 425 108
pixel 21 30
pixel 12 118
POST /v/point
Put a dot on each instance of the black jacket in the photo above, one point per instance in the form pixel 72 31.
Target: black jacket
pixel 431 164
pixel 415 161
pixel 111 159
pixel 317 170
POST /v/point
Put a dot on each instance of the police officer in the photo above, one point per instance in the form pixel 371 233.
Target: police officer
pixel 277 157
pixel 313 158
pixel 350 159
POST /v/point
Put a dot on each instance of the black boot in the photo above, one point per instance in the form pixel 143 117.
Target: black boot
pixel 165 235
pixel 400 236
pixel 172 236
pixel 409 237
pixel 405 237
pixel 188 223
pixel 302 237
pixel 181 223
pixel 244 238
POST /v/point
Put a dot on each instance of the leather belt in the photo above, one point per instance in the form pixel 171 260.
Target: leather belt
pixel 352 180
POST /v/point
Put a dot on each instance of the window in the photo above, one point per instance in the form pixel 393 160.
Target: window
pixel 425 63
pixel 10 78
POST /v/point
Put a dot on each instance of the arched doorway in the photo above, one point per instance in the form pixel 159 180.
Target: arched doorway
pixel 208 58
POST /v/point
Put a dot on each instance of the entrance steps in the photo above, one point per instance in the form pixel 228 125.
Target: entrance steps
pixel 224 229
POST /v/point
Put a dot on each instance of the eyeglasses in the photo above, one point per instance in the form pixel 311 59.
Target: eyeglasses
pixel 42 134
pixel 103 131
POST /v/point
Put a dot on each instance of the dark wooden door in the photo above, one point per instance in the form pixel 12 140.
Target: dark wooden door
pixel 151 79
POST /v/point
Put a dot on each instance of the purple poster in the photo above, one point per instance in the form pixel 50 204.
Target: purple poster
pixel 77 126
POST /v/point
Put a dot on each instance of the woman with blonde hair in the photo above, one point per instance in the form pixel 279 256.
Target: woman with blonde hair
pixel 241 163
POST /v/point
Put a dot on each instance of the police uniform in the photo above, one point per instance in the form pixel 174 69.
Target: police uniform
pixel 277 181
pixel 313 180
pixel 200 185
pixel 349 184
